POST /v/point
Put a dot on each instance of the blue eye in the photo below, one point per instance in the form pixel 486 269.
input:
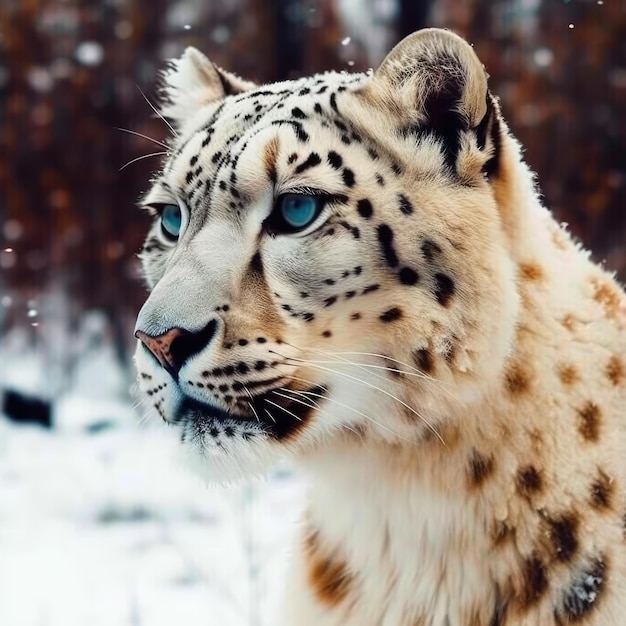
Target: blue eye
pixel 171 221
pixel 297 211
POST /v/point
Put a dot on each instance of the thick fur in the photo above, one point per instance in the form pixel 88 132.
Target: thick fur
pixel 438 354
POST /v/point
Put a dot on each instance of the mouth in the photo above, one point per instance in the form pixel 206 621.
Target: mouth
pixel 279 415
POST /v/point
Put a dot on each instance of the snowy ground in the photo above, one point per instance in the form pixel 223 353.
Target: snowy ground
pixel 105 528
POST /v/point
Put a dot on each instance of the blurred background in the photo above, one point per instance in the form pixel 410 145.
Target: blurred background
pixel 97 524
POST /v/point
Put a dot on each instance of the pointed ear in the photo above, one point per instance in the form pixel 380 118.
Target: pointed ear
pixel 434 82
pixel 193 81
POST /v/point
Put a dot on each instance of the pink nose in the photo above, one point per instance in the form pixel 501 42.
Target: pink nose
pixel 175 346
pixel 163 348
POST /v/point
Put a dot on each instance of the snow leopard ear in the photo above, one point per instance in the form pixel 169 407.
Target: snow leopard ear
pixel 193 81
pixel 436 84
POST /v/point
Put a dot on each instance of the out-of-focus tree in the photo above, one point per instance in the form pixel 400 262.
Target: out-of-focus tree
pixel 71 73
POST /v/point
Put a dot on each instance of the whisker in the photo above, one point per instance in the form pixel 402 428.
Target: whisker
pixel 350 408
pixel 254 411
pixel 418 374
pixel 389 358
pixel 145 156
pixel 282 408
pixel 368 384
pixel 157 111
pixel 314 405
pixel 270 415
pixel 134 132
pixel 282 395
pixel 287 390
pixel 372 366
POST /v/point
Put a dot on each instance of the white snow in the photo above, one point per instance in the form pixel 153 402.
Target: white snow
pixel 103 528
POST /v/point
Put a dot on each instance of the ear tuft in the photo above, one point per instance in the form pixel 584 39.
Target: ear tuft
pixel 193 81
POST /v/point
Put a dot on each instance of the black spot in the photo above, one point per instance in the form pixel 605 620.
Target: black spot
pixel 312 160
pixel 329 281
pixel 229 370
pixel 222 185
pixel 373 154
pixel 364 207
pixel 298 112
pixel 304 91
pixel 349 294
pixel 237 386
pixel 193 160
pixel 371 288
pixel 341 126
pixel 563 534
pixel 480 468
pixel 535 581
pixel 242 368
pixel 293 157
pixel 380 180
pixel 322 89
pixel 396 169
pixel 602 490
pixel 355 316
pixel 243 342
pixel 408 276
pixel 390 315
pixel 335 160
pixel 584 593
pixel 444 289
pixel 348 177
pixel 327 334
pixel 301 134
pixel 405 205
pixel 424 360
pixel 223 387
pixel 330 301
pixel 317 108
pixel 345 139
pixel 308 317
pixel 260 365
pixel 189 177
pixel 333 102
pixel 385 238
pixel 357 270
pixel 430 249
pixel 529 481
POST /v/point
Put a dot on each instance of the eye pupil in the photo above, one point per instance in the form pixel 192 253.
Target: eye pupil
pixel 171 220
pixel 298 210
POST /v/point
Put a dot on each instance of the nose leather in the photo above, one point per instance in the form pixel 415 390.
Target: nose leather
pixel 161 347
pixel 174 347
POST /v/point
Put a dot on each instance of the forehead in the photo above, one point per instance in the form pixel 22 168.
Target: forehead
pixel 224 129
